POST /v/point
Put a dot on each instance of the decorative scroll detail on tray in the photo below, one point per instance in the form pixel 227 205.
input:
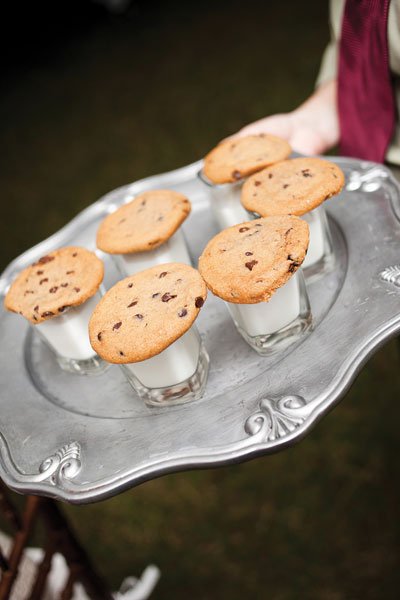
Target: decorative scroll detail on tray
pixel 368 181
pixel 65 463
pixel 276 418
pixel 391 275
pixel 57 469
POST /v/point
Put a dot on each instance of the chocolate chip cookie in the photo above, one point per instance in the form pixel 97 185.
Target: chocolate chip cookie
pixel 293 186
pixel 144 223
pixel 247 263
pixel 143 314
pixel 60 279
pixel 236 158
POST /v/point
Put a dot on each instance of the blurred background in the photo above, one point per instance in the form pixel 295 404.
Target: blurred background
pixel 96 95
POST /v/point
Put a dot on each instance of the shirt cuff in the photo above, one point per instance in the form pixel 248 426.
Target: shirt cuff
pixel 328 69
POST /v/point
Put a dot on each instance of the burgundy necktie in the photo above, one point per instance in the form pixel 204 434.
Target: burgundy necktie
pixel 365 93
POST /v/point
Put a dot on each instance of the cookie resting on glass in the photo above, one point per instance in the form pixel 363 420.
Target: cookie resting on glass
pixel 145 323
pixel 57 295
pixel 254 267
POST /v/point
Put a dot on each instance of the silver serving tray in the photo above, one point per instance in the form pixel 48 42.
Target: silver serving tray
pixel 83 439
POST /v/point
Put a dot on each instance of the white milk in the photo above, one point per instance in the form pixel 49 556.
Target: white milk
pixel 226 205
pixel 317 224
pixel 172 250
pixel 68 333
pixel 268 317
pixel 173 365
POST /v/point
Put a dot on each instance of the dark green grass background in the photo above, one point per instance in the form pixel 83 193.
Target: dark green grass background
pixel 90 101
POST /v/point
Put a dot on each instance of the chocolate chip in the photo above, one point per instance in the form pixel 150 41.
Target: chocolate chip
pixel 154 242
pixel 76 289
pixel 34 317
pixel 163 274
pixel 179 281
pixel 156 294
pixel 335 176
pixel 236 174
pixel 47 313
pixel 53 289
pixel 132 303
pixel 39 272
pixel 99 336
pixel 167 297
pixel 130 285
pixel 28 292
pixel 64 284
pixel 251 264
pixel 117 325
pixel 75 254
pixel 257 183
pixel 36 309
pixel 121 221
pixel 45 259
pixel 285 185
pixel 270 176
pixel 306 173
pixel 160 219
pixel 69 272
pixel 288 231
pixel 290 257
pixel 258 225
pixel 248 253
pixel 143 203
pixel 292 267
pixel 199 302
pixel 260 281
pixel 242 229
pixel 139 316
pixel 182 313
pixel 121 353
pixel 62 308
pixel 43 280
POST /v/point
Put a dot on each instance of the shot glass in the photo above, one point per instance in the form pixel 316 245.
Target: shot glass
pixel 172 250
pixel 175 376
pixel 254 268
pixel 152 334
pixel 146 231
pixel 320 257
pixel 225 202
pixel 57 295
pixel 299 186
pixel 68 339
pixel 272 326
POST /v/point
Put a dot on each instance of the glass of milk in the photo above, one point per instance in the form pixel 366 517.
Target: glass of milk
pixel 228 210
pixel 68 338
pixel 225 202
pixel 172 250
pixel 320 257
pixel 176 375
pixel 272 326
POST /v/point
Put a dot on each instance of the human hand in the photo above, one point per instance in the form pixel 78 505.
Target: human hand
pixel 312 128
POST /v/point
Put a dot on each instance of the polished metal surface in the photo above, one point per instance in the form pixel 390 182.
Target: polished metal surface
pixel 82 439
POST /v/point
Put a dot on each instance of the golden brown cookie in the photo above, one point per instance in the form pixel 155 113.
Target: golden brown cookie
pixel 143 314
pixel 63 278
pixel 236 158
pixel 247 263
pixel 144 223
pixel 293 187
